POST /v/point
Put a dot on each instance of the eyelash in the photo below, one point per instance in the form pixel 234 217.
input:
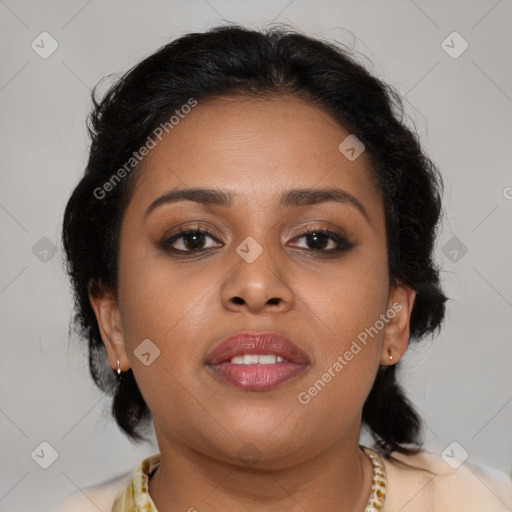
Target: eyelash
pixel 342 241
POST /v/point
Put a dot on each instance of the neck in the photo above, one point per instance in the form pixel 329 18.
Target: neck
pixel 339 478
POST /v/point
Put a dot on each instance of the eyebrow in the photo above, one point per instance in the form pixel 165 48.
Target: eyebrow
pixel 292 198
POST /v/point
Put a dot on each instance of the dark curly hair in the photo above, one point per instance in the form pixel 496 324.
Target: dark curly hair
pixel 231 60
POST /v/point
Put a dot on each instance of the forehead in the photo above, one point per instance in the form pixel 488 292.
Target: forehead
pixel 257 148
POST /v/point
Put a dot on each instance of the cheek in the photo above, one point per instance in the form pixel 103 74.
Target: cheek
pixel 347 313
pixel 159 301
pixel 162 304
pixel 347 304
pixel 346 298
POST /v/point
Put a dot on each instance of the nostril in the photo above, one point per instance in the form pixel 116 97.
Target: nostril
pixel 238 300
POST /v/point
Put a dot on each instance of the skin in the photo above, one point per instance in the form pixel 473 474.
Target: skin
pixel 308 455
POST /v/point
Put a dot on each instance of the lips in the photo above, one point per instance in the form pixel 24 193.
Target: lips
pixel 252 373
pixel 257 343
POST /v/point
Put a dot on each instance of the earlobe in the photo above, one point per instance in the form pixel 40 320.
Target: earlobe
pixel 397 332
pixel 109 321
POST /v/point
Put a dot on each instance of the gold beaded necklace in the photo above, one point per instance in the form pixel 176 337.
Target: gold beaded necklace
pixel 378 490
pixel 135 495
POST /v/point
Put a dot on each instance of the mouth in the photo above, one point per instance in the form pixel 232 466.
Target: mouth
pixel 257 361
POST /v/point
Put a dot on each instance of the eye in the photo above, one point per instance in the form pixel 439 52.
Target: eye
pixel 325 241
pixel 195 240
pixel 188 240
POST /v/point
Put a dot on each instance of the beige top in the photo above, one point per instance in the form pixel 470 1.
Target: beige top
pixel 415 483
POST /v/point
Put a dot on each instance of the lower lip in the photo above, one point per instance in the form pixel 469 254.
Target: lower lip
pixel 257 377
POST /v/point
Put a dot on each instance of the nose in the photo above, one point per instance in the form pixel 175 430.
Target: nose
pixel 258 286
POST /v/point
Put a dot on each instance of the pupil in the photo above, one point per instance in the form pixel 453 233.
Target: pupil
pixel 197 237
pixel 319 244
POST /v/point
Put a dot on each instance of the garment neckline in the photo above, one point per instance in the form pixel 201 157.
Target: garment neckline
pixel 148 466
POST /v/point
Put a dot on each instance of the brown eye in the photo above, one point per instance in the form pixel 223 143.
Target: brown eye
pixel 326 241
pixel 189 240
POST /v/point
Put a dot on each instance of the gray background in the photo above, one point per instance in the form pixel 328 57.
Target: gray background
pixel 462 107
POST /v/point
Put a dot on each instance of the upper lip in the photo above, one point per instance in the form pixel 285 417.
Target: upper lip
pixel 256 343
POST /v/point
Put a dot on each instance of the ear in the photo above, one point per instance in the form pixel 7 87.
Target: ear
pixel 397 333
pixel 108 316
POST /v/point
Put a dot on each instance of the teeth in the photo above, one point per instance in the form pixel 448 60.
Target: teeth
pixel 257 359
pixel 268 359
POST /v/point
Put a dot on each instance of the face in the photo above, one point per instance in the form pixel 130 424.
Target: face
pixel 257 264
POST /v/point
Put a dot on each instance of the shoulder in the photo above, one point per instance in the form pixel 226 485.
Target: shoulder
pixel 102 497
pixel 425 481
pixel 94 498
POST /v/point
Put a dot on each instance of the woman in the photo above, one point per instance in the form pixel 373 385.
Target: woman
pixel 251 250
